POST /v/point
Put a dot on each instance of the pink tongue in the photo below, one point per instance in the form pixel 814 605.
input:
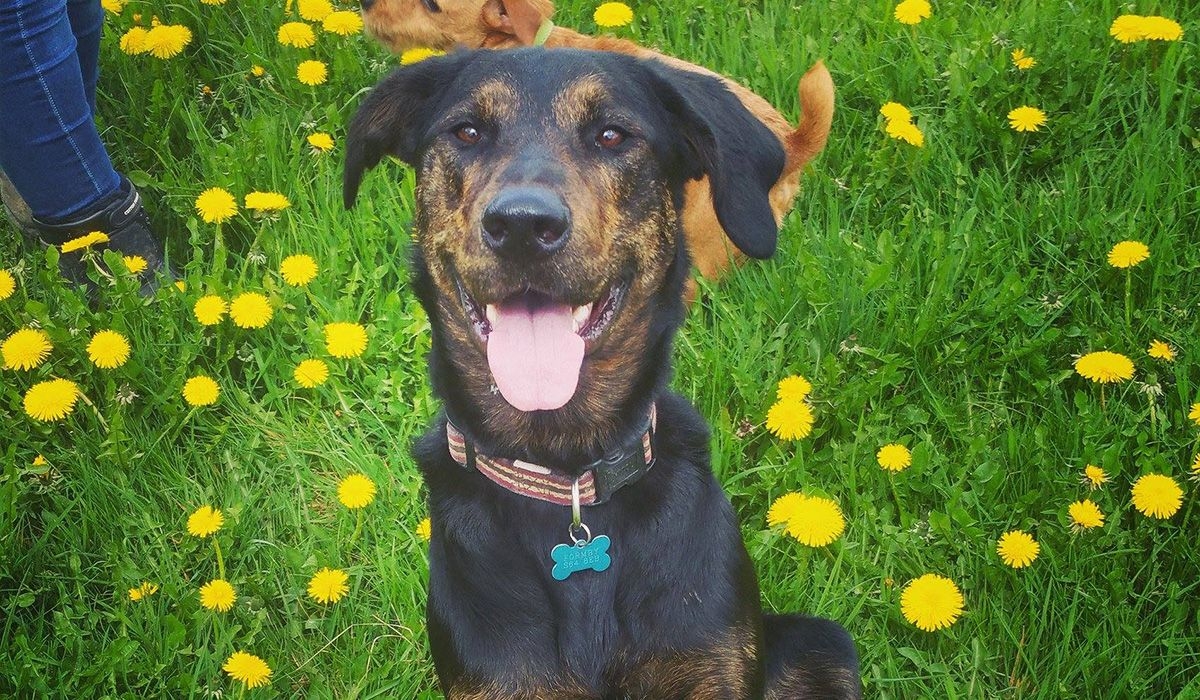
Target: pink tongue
pixel 534 355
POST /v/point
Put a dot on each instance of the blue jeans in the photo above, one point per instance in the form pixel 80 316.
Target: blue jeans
pixel 49 147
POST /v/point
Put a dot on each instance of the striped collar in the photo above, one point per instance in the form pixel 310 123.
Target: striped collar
pixel 597 483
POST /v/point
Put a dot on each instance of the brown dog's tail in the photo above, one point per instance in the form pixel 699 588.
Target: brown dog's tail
pixel 816 117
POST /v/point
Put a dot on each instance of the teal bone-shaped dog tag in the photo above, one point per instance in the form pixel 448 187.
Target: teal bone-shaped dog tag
pixel 584 554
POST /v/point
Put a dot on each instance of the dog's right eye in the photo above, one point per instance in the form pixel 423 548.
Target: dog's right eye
pixel 467 134
pixel 431 5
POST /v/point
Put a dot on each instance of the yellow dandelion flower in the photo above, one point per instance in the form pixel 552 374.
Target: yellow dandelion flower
pixel 210 309
pixel 345 340
pixel 784 508
pixel 217 595
pixel 314 10
pixel 1157 496
pixel 425 529
pixel 931 602
pixel 1085 514
pixel 1161 29
pixel 1194 414
pixel 166 40
pixel 907 132
pixel 143 591
pixel 790 420
pixel 320 142
pixel 411 56
pixel 204 521
pixel 85 241
pixel 133 42
pixel 311 373
pixel 816 521
pixel 1195 467
pixel 1128 29
pixel 342 22
pixel 113 6
pixel 297 34
pixel 267 201
pixel 356 491
pixel 792 388
pixel 212 2
pixel 298 270
pixel 51 400
pixel 257 71
pixel 201 391
pixel 894 457
pixel 912 11
pixel 1127 254
pixel 1105 367
pixel 1017 549
pixel 247 668
pixel 1021 60
pixel 134 263
pixel 108 349
pixel 612 14
pixel 895 112
pixel 39 461
pixel 215 205
pixel 328 586
pixel 1094 476
pixel 1026 118
pixel 1160 351
pixel 312 72
pixel 26 349
pixel 8 284
pixel 250 310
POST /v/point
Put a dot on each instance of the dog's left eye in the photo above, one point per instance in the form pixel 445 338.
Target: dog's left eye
pixel 468 134
pixel 431 5
pixel 610 137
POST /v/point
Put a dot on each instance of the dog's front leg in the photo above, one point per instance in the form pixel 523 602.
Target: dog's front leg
pixel 728 670
pixel 497 691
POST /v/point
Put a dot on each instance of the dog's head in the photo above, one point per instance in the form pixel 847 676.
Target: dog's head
pixel 548 251
pixel 447 24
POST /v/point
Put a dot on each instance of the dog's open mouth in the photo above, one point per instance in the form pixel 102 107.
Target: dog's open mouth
pixel 536 344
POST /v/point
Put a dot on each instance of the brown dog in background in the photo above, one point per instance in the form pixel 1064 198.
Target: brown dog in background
pixel 447 24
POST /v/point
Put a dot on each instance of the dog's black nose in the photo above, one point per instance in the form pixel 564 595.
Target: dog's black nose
pixel 526 222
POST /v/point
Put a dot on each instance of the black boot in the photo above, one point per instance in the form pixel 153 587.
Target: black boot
pixel 127 226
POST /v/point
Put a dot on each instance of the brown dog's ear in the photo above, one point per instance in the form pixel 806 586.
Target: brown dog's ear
pixel 395 117
pixel 741 156
pixel 519 19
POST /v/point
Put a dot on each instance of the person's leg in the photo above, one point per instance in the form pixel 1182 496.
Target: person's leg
pixel 49 147
pixel 87 24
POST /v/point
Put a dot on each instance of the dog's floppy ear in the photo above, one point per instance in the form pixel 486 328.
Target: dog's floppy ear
pixel 395 116
pixel 520 19
pixel 740 155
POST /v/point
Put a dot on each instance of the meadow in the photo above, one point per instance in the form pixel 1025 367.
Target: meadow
pixel 935 296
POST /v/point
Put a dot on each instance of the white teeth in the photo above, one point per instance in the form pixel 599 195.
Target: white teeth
pixel 490 312
pixel 580 316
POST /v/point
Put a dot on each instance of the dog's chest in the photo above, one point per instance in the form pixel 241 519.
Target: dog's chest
pixel 669 590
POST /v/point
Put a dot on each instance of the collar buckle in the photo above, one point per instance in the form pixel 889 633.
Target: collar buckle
pixel 600 478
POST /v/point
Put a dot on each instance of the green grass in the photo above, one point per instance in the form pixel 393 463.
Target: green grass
pixel 933 296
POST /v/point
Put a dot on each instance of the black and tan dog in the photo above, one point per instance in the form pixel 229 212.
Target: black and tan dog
pixel 549 258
